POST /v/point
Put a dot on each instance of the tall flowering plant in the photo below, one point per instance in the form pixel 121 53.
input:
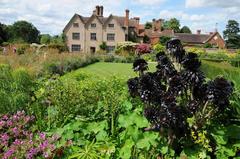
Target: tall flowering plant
pixel 179 102
pixel 17 141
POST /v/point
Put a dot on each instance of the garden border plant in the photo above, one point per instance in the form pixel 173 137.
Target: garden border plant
pixel 181 103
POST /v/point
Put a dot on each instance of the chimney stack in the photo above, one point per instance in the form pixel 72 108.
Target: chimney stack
pixel 97 10
pixel 137 22
pixel 101 11
pixel 153 25
pixel 199 32
pixel 158 25
pixel 126 22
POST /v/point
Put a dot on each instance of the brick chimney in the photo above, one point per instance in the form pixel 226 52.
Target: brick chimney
pixel 137 22
pixel 199 32
pixel 158 25
pixel 101 11
pixel 126 21
pixel 97 11
pixel 153 25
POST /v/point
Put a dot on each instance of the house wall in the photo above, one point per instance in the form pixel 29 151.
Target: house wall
pixel 99 32
pixel 81 29
pixel 117 30
pixel 217 40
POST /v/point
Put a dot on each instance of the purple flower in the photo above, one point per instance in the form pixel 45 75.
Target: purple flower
pixel 15 131
pixel 42 136
pixel 8 154
pixel 9 123
pixel 31 153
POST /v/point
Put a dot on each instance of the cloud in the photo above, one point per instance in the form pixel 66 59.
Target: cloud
pixel 212 3
pixel 149 2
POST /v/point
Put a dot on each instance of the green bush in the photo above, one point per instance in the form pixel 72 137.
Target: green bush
pixel 66 65
pixel 66 99
pixel 159 47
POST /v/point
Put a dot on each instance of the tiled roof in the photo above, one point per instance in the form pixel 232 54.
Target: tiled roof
pixel 150 33
pixel 193 38
pixel 120 20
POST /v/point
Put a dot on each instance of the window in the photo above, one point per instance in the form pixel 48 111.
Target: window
pixel 93 25
pixel 75 36
pixel 76 48
pixel 111 25
pixel 75 25
pixel 93 36
pixel 110 37
pixel 110 48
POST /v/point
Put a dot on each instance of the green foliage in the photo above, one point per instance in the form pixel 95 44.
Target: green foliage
pixel 45 39
pixel 103 46
pixel 23 31
pixel 185 29
pixel 15 89
pixel 208 45
pixel 60 47
pixel 173 23
pixel 67 65
pixel 3 33
pixel 231 34
pixel 148 25
pixel 158 47
pixel 146 39
pixel 164 39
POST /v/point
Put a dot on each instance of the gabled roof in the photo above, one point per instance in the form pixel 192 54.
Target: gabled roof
pixel 102 20
pixel 71 21
pixel 194 38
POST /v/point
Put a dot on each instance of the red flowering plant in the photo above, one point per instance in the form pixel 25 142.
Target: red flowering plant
pixel 143 49
pixel 17 141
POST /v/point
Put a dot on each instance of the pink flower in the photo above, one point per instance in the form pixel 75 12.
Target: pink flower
pixel 42 136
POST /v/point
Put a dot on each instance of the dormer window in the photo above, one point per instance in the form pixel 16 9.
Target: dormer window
pixel 93 25
pixel 75 25
pixel 111 25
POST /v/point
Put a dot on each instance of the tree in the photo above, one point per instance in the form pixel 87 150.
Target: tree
pixel 24 31
pixel 231 34
pixel 185 29
pixel 3 33
pixel 148 25
pixel 164 39
pixel 58 39
pixel 45 39
pixel 172 24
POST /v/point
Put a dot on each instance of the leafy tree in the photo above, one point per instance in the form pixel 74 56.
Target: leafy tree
pixel 148 25
pixel 172 24
pixel 3 33
pixel 164 39
pixel 45 39
pixel 24 31
pixel 185 29
pixel 231 34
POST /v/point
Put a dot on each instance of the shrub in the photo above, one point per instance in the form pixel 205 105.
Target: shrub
pixel 143 49
pixel 65 99
pixel 103 46
pixel 158 48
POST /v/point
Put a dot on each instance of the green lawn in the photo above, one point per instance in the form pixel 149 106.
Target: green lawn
pixel 124 70
pixel 104 69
